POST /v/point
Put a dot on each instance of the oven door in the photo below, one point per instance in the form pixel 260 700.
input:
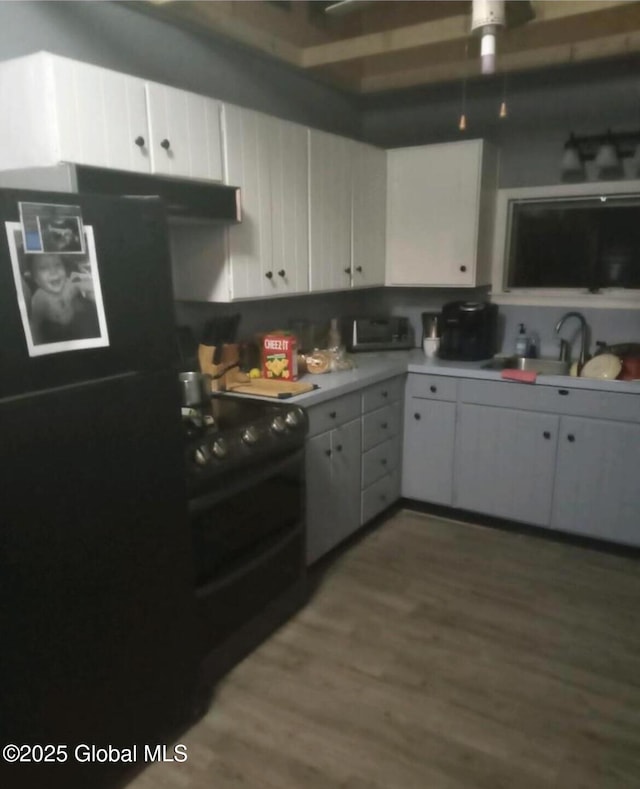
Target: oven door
pixel 249 544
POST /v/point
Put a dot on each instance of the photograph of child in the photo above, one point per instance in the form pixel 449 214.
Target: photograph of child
pixel 59 296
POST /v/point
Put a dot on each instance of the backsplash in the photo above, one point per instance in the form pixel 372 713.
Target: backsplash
pixel 610 326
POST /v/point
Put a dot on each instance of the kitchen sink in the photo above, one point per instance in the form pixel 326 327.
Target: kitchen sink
pixel 540 366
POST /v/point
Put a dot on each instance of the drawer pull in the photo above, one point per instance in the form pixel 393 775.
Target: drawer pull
pixel 359 269
pixel 433 388
pixel 385 393
pixel 384 425
pixel 339 448
pixel 547 434
pixel 333 414
pixel 463 268
pixel 563 391
pixel 571 438
pixel 417 416
pixel 384 461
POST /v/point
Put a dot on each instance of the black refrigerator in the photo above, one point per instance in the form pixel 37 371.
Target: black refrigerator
pixel 97 633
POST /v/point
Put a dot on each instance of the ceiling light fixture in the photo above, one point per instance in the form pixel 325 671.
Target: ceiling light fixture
pixel 486 17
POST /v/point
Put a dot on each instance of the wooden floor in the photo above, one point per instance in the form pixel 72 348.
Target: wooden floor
pixel 437 655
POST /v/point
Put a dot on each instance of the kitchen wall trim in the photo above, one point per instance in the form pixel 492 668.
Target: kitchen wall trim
pixel 612 298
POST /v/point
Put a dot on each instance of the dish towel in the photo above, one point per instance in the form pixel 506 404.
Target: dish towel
pixel 523 376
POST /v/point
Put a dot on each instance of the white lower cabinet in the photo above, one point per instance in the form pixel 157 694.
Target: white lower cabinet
pixel 504 462
pixel 562 458
pixel 353 456
pixel 597 472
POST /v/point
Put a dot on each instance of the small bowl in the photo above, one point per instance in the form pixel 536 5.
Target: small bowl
pixel 430 346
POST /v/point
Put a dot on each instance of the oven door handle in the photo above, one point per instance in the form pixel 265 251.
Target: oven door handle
pixel 251 477
pixel 278 542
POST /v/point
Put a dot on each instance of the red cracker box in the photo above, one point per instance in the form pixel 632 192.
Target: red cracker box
pixel 280 357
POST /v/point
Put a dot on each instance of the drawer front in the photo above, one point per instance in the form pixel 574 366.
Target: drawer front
pixel 333 413
pixel 380 495
pixel 436 387
pixel 381 425
pixel 380 460
pixel 553 399
pixel 383 393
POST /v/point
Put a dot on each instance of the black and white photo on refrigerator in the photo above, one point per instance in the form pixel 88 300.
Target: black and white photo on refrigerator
pixel 55 270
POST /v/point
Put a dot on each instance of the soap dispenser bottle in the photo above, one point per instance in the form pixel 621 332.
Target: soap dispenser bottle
pixel 522 342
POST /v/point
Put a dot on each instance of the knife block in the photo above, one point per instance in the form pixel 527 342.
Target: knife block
pixel 224 373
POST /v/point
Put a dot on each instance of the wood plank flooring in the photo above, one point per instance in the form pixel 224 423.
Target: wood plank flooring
pixel 436 655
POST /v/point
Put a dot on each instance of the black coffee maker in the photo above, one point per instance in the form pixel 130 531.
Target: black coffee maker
pixel 468 331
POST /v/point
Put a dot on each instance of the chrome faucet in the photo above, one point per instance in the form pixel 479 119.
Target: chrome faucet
pixel 583 338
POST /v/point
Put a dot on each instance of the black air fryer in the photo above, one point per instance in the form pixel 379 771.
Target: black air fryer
pixel 469 331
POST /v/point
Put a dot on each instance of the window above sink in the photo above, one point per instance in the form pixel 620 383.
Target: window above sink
pixel 570 245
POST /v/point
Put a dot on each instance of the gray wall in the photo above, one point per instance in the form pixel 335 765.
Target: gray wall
pixel 543 108
pixel 115 36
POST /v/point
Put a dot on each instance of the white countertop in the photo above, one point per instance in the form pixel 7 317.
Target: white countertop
pixel 379 366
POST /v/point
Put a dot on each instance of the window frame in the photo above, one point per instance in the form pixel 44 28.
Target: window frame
pixel 609 298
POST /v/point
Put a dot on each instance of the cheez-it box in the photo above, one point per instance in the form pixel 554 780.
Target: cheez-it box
pixel 280 357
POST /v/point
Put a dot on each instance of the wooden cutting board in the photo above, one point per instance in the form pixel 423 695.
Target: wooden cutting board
pixel 263 387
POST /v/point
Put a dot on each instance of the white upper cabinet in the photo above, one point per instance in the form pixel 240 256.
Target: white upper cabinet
pixel 440 203
pixel 369 215
pixel 267 158
pixel 55 109
pixel 60 110
pixel 184 133
pixel 330 185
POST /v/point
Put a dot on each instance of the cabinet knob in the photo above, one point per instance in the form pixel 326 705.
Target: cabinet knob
pixel 268 274
pixel 385 393
pixel 383 497
pixel 384 425
pixel 282 273
pixel 571 438
pixel 333 414
pixel 165 144
pixel 347 271
pixel 384 461
pixel 563 391
pixel 547 434
pixel 327 452
pixel 463 268
pixel 139 141
pixel 433 389
pixel 339 448
pixel 359 269
pixel 417 416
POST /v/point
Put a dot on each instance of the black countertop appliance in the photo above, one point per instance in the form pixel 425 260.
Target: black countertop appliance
pixel 469 330
pixel 97 616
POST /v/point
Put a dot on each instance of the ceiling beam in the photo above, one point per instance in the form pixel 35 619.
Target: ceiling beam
pixel 556 55
pixel 440 31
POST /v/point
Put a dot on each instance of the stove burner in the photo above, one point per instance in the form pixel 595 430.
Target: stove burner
pixel 235 433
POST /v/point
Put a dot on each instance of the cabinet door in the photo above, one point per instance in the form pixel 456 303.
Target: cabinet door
pixel 101 116
pixel 369 215
pixel 247 151
pixel 505 462
pixel 333 488
pixel 427 458
pixel 330 162
pixel 289 175
pixel 596 492
pixel 433 203
pixel 184 131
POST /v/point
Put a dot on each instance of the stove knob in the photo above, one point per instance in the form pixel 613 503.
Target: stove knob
pixel 292 418
pixel 219 448
pixel 201 455
pixel 278 425
pixel 250 435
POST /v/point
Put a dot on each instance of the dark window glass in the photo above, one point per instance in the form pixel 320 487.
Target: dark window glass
pixel 586 244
